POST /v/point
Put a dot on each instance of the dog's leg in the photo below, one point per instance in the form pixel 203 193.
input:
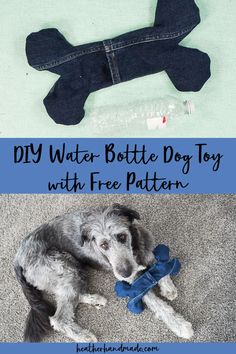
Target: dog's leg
pixel 175 322
pixel 66 286
pixel 93 299
pixel 64 321
pixel 168 289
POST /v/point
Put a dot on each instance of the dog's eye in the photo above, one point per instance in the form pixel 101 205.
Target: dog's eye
pixel 122 238
pixel 104 245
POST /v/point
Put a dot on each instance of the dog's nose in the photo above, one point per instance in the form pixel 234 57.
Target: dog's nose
pixel 125 269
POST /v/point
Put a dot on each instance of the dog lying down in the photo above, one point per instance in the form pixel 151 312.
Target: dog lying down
pixel 53 260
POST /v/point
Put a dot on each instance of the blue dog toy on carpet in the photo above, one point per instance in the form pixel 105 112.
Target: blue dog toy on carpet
pixel 148 280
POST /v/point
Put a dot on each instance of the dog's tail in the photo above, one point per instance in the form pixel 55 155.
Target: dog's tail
pixel 37 323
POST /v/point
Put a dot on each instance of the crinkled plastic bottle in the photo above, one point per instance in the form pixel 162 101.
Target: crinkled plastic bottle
pixel 148 115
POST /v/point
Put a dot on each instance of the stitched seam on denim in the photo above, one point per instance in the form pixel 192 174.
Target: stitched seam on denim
pixel 148 39
pixel 175 260
pixel 67 58
pixel 115 69
pixel 145 291
pixel 110 67
pixel 107 44
pixel 115 75
pixel 149 276
pixel 115 46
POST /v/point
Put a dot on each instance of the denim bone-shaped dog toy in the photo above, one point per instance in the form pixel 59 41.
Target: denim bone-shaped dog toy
pixel 90 67
pixel 148 280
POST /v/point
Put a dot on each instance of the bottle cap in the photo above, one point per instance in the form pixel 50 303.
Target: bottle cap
pixel 190 107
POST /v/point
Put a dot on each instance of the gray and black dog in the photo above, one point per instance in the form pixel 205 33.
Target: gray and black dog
pixel 53 261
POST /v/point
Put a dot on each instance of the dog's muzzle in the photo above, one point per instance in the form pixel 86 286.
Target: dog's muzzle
pixel 125 269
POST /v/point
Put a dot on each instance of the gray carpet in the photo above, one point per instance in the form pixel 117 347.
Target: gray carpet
pixel 200 230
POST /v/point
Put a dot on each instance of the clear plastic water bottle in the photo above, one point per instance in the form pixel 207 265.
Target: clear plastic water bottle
pixel 148 115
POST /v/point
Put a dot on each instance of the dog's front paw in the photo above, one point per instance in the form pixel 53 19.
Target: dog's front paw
pixel 169 294
pixel 184 329
pixel 187 331
pixel 99 302
pixel 93 299
pixel 87 337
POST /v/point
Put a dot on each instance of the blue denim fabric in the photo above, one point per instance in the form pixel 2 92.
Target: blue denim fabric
pixel 90 67
pixel 148 280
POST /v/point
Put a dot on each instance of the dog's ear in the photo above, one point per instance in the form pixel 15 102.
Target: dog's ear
pixel 122 210
pixel 142 244
pixel 85 233
pixel 135 238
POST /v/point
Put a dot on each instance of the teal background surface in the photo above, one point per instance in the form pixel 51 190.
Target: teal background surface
pixel 22 88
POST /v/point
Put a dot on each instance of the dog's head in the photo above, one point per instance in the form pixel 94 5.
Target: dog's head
pixel 109 233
